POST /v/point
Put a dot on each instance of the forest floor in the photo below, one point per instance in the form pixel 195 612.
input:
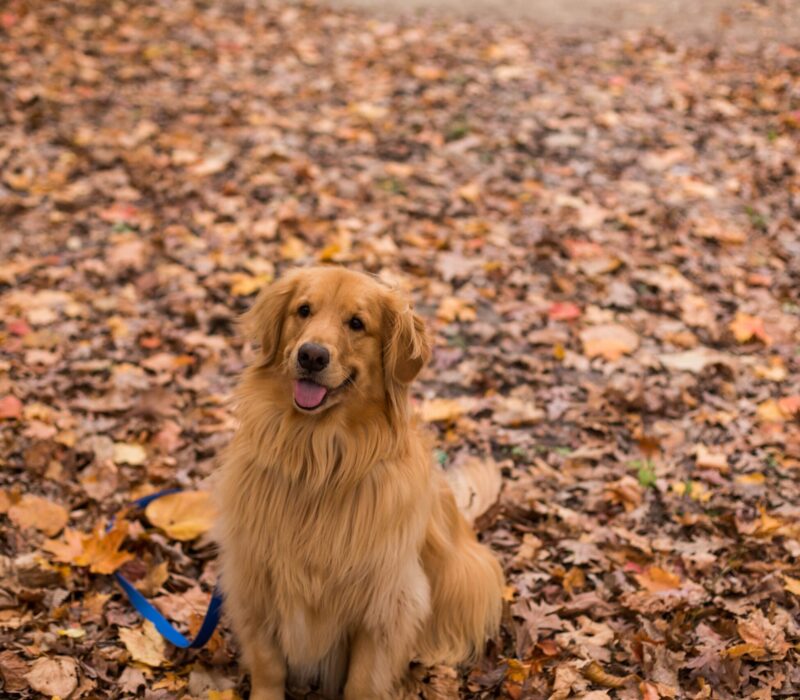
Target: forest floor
pixel 600 227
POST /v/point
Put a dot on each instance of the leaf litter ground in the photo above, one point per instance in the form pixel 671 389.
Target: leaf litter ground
pixel 601 229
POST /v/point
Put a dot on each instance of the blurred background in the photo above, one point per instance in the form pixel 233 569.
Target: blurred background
pixel 595 207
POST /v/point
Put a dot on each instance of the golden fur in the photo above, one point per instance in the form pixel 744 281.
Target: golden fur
pixel 344 556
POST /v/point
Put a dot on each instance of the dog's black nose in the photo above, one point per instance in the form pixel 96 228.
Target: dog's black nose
pixel 313 357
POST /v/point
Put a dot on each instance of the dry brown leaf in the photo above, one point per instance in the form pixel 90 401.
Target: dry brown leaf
pixel 609 341
pixel 184 515
pixel 38 513
pixel 54 676
pixel 12 670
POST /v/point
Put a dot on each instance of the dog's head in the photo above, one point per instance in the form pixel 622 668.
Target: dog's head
pixel 337 338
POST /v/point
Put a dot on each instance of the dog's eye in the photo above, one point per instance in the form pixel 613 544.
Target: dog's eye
pixel 304 311
pixel 356 324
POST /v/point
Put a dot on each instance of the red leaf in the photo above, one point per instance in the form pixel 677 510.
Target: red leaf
pixel 563 311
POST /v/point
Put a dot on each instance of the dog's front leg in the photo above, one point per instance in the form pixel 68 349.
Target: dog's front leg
pixel 267 669
pixel 375 666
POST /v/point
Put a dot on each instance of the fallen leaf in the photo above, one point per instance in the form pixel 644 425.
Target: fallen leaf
pixel 791 584
pixel 145 644
pixel 38 513
pixel 54 676
pixel 597 675
pixel 609 341
pixel 99 550
pixel 442 410
pixel 655 579
pixel 694 361
pixel 563 311
pixel 456 309
pixel 184 515
pixel 129 453
pixel 10 408
pixel 12 670
pixel 707 458
pixel 746 327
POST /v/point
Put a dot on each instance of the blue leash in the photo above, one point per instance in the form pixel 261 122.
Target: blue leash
pixel 149 612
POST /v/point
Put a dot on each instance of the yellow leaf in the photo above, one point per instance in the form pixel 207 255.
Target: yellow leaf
pixel 754 479
pixel 292 249
pixel 454 308
pixel 517 672
pixel 609 341
pixel 184 515
pixel 38 513
pixel 655 579
pixel 144 644
pixel 791 584
pixel 129 453
pixel 245 285
pixel 767 524
pixel 770 412
pixel 435 410
pixel 223 695
pixel 748 649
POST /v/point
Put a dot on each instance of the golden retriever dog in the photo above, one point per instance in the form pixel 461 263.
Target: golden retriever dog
pixel 343 554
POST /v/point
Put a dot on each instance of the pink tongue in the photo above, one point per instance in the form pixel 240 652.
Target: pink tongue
pixel 308 394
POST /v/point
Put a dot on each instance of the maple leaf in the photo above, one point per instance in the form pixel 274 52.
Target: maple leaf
pixel 99 550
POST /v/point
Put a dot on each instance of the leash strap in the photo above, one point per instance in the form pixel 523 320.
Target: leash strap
pixel 149 612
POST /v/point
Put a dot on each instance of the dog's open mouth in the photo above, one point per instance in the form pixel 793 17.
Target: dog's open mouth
pixel 309 395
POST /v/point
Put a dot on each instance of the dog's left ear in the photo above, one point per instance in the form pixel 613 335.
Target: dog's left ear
pixel 263 321
pixel 406 346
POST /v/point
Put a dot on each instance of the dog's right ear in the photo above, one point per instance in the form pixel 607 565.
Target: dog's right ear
pixel 263 321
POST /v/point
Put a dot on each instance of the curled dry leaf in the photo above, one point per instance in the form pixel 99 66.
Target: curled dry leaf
pixel 183 515
pixel 597 675
pixel 38 513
